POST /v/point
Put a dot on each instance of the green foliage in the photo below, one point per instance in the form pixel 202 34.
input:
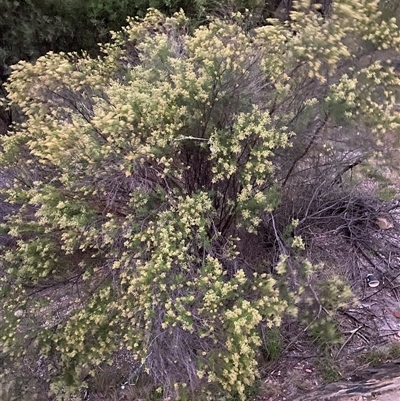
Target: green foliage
pixel 334 293
pixel 328 369
pixel 325 332
pixel 31 28
pixel 272 344
pixel 144 171
pixel 328 296
pixel 379 355
pixel 386 194
pixel 26 32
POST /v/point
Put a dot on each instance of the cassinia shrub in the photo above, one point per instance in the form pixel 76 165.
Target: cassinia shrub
pixel 138 175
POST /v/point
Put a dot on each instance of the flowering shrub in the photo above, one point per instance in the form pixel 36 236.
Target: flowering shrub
pixel 138 175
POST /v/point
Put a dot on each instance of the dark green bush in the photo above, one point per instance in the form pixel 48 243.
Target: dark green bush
pixel 31 28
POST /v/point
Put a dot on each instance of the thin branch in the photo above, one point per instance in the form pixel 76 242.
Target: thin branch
pixel 306 150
